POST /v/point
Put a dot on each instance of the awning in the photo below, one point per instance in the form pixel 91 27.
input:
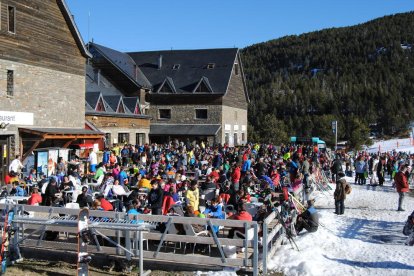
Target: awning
pixel 183 130
pixel 32 138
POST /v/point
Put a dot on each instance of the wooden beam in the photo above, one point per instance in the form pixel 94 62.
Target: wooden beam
pixel 34 146
pixel 68 143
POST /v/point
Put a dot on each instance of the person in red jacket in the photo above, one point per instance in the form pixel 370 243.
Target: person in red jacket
pixel 401 183
pixel 35 198
pixel 235 177
pixel 241 214
pixel 105 204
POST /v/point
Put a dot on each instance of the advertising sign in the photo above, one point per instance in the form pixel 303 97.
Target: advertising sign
pixel 16 118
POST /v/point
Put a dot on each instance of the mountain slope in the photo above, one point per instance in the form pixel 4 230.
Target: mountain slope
pixel 361 75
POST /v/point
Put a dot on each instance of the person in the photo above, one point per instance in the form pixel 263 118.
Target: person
pixel 155 198
pixel 51 192
pixel 60 169
pixel 17 190
pixel 105 204
pixel 35 198
pixel 84 199
pixel 93 161
pixel 308 220
pixel 215 210
pixel 193 195
pixel 336 168
pixel 16 165
pixel 401 184
pixel 341 190
pixel 360 169
pixel 381 171
pixel 241 214
pixel 408 230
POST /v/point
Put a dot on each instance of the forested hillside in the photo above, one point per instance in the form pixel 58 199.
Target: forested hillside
pixel 360 76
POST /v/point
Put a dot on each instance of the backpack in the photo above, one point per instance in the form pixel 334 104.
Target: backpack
pixel 348 189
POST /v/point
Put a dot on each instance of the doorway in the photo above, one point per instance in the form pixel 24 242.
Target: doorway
pixel 4 156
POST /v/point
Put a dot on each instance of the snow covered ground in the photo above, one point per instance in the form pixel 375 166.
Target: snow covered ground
pixel 366 240
pixel 405 145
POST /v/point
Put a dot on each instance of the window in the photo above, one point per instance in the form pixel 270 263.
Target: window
pixel 211 65
pixel 243 137
pixel 236 68
pixel 236 142
pixel 164 114
pixel 202 88
pixel 140 139
pixel 10 82
pixel 108 140
pixel 176 66
pixel 11 12
pixel 201 114
pixel 123 138
pixel 226 137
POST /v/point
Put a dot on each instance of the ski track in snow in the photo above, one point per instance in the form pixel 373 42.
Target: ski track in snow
pixel 366 240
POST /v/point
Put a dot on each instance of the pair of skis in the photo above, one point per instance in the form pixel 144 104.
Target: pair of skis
pixel 5 239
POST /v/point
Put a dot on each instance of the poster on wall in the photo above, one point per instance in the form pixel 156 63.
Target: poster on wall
pixel 42 162
pixel 51 163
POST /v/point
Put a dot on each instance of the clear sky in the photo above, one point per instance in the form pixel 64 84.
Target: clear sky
pixel 138 25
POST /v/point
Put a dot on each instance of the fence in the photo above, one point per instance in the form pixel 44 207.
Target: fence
pixel 126 233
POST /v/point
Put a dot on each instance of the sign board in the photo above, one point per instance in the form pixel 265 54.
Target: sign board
pixel 334 125
pixel 16 118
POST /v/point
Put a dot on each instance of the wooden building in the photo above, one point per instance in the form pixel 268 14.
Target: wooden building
pixel 42 78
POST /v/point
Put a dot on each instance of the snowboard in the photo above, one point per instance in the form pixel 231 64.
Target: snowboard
pixel 5 250
pixel 83 240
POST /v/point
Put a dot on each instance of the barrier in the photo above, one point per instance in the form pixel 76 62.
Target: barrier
pixel 128 236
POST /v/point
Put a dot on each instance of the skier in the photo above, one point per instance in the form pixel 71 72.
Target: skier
pixel 409 230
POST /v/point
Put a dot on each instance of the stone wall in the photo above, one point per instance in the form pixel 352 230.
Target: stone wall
pixel 57 99
pixel 234 121
pixel 114 126
pixel 185 114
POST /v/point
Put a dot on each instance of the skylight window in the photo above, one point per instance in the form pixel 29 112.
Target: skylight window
pixel 211 65
pixel 176 66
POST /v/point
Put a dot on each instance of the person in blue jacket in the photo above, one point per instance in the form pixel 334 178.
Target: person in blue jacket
pixel 214 210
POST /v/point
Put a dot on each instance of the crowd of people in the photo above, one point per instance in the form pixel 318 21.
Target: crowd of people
pixel 204 180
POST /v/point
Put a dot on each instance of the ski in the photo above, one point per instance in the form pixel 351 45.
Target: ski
pixel 83 240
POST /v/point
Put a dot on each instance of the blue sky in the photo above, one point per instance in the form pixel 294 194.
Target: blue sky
pixel 137 25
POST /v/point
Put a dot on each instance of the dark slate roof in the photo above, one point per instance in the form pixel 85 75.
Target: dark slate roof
pixel 130 103
pixel 73 28
pixel 205 130
pixel 193 67
pixel 124 63
pixel 92 98
pixel 112 101
pixel 88 107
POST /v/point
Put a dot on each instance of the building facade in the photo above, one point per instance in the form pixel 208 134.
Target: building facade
pixel 197 94
pixel 114 88
pixel 42 73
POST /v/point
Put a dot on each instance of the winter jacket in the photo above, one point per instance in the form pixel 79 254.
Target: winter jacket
pixel 401 182
pixel 193 198
pixel 342 189
pixel 360 166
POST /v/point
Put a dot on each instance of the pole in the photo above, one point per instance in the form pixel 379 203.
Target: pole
pixel 336 136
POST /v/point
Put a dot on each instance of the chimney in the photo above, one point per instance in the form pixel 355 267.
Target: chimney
pixel 98 76
pixel 160 62
pixel 136 71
